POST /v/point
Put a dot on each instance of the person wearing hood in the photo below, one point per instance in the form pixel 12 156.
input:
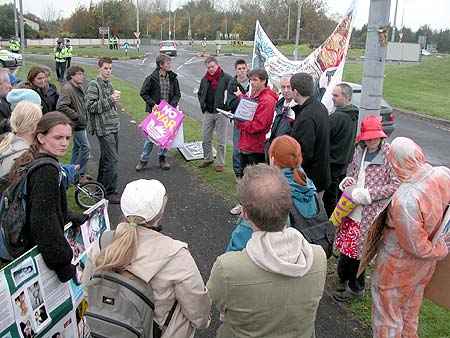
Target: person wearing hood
pixel 5 106
pixel 212 94
pixel 343 128
pixel 273 287
pixel 370 182
pixel 252 135
pixel 411 244
pixel 139 248
pixel 285 153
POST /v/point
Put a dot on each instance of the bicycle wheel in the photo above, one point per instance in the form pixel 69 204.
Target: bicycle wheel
pixel 88 194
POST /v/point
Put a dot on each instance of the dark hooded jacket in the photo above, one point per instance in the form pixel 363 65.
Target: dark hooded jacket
pixel 151 90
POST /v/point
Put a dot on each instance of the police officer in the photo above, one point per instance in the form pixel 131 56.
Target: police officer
pixel 60 59
pixel 14 45
pixel 68 53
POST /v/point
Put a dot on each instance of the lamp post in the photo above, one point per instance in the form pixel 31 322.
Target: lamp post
pixel 297 35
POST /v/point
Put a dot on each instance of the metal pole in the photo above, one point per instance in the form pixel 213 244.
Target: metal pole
pixel 170 29
pixel 161 31
pixel 22 28
pixel 297 35
pixel 174 27
pixel 395 22
pixel 375 56
pixel 289 24
pixel 189 27
pixel 103 16
pixel 137 16
pixel 16 24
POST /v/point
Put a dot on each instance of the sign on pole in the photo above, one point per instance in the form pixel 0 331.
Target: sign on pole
pixel 137 34
pixel 103 30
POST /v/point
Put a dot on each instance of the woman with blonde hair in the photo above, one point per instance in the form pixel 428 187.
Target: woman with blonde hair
pixel 23 121
pixel 138 249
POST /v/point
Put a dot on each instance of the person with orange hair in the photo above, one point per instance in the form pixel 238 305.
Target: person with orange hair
pixel 285 153
pixel 409 251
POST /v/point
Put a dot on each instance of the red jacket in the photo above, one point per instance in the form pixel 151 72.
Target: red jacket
pixel 253 133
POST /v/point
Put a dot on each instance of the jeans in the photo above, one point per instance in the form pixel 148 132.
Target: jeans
pixel 60 70
pixel 218 122
pixel 236 155
pixel 109 159
pixel 80 150
pixel 148 147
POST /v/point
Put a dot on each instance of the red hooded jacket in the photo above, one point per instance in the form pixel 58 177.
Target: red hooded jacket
pixel 253 133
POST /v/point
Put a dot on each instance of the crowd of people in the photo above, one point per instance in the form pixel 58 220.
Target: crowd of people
pixel 293 162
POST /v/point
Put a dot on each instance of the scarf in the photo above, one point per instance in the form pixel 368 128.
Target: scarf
pixel 214 79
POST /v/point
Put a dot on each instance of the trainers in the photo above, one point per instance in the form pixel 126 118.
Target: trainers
pixel 141 165
pixel 219 168
pixel 205 164
pixel 113 198
pixel 237 210
pixel 348 294
pixel 163 164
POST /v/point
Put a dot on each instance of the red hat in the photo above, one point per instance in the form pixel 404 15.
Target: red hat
pixel 371 128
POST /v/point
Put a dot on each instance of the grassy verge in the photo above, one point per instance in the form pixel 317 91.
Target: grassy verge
pixel 91 52
pixel 421 87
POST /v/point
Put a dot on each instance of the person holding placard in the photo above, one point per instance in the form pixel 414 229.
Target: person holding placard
pixel 409 250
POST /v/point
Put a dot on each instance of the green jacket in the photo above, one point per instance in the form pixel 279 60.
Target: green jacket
pixel 263 304
pixel 60 54
pixel 68 51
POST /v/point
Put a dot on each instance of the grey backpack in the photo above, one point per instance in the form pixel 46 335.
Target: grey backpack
pixel 121 306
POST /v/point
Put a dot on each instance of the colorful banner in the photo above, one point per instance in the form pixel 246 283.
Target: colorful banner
pixel 325 64
pixel 33 302
pixel 162 124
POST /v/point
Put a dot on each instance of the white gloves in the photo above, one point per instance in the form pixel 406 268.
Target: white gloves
pixel 361 196
pixel 346 183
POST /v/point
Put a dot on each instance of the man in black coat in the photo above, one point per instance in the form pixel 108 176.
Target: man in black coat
pixel 343 127
pixel 311 129
pixel 162 84
pixel 5 108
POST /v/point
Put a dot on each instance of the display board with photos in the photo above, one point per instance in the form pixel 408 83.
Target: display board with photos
pixel 33 302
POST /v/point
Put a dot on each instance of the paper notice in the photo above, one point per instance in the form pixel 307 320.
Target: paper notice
pixel 6 307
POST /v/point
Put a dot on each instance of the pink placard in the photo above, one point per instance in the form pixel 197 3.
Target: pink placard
pixel 162 124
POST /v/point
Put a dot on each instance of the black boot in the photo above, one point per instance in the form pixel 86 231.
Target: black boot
pixel 163 164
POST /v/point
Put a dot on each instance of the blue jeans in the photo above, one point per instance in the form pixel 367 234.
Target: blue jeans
pixel 148 147
pixel 80 150
pixel 236 156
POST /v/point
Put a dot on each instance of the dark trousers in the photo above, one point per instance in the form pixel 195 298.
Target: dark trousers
pixel 68 60
pixel 60 70
pixel 333 193
pixel 347 268
pixel 249 159
pixel 109 159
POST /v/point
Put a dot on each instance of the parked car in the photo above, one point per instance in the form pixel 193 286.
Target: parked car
pixel 168 47
pixel 10 59
pixel 386 111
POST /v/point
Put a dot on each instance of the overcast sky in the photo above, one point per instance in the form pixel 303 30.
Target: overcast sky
pixel 415 13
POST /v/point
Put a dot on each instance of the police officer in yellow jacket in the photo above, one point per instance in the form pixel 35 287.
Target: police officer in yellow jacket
pixel 60 59
pixel 68 53
pixel 14 45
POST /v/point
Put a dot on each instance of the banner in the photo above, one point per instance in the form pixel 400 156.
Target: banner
pixel 33 302
pixel 162 124
pixel 325 64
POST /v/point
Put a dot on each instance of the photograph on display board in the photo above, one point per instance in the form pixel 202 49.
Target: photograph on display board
pixel 26 329
pixel 75 239
pixel 35 295
pixel 65 328
pixel 21 305
pixel 23 271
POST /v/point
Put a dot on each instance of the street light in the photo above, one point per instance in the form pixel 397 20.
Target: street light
pixel 297 35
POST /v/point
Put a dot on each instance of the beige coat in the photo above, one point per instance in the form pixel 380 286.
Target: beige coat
pixel 170 271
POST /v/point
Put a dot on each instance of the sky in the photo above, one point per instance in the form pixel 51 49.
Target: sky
pixel 415 13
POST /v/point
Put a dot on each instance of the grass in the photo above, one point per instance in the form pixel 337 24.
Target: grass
pixel 91 52
pixel 421 87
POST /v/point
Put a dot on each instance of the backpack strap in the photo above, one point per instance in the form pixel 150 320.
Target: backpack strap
pixel 13 153
pixel 170 315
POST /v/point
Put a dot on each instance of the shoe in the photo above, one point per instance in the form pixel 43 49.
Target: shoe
pixel 219 168
pixel 113 198
pixel 205 164
pixel 348 294
pixel 340 286
pixel 237 210
pixel 141 165
pixel 163 164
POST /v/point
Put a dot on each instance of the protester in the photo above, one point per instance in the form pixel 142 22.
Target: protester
pixel 273 287
pixel 50 90
pixel 253 133
pixel 37 81
pixel 60 60
pixel 311 130
pixel 72 102
pixel 237 87
pixel 46 203
pixel 5 108
pixel 104 122
pixel 164 264
pixel 370 182
pixel 162 84
pixel 23 94
pixel 284 115
pixel 408 254
pixel 286 154
pixel 343 127
pixel 212 95
pixel 24 120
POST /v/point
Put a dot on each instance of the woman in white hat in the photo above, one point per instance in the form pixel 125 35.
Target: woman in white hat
pixel 163 263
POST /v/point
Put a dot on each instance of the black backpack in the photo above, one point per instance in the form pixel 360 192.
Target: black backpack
pixel 316 230
pixel 13 209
